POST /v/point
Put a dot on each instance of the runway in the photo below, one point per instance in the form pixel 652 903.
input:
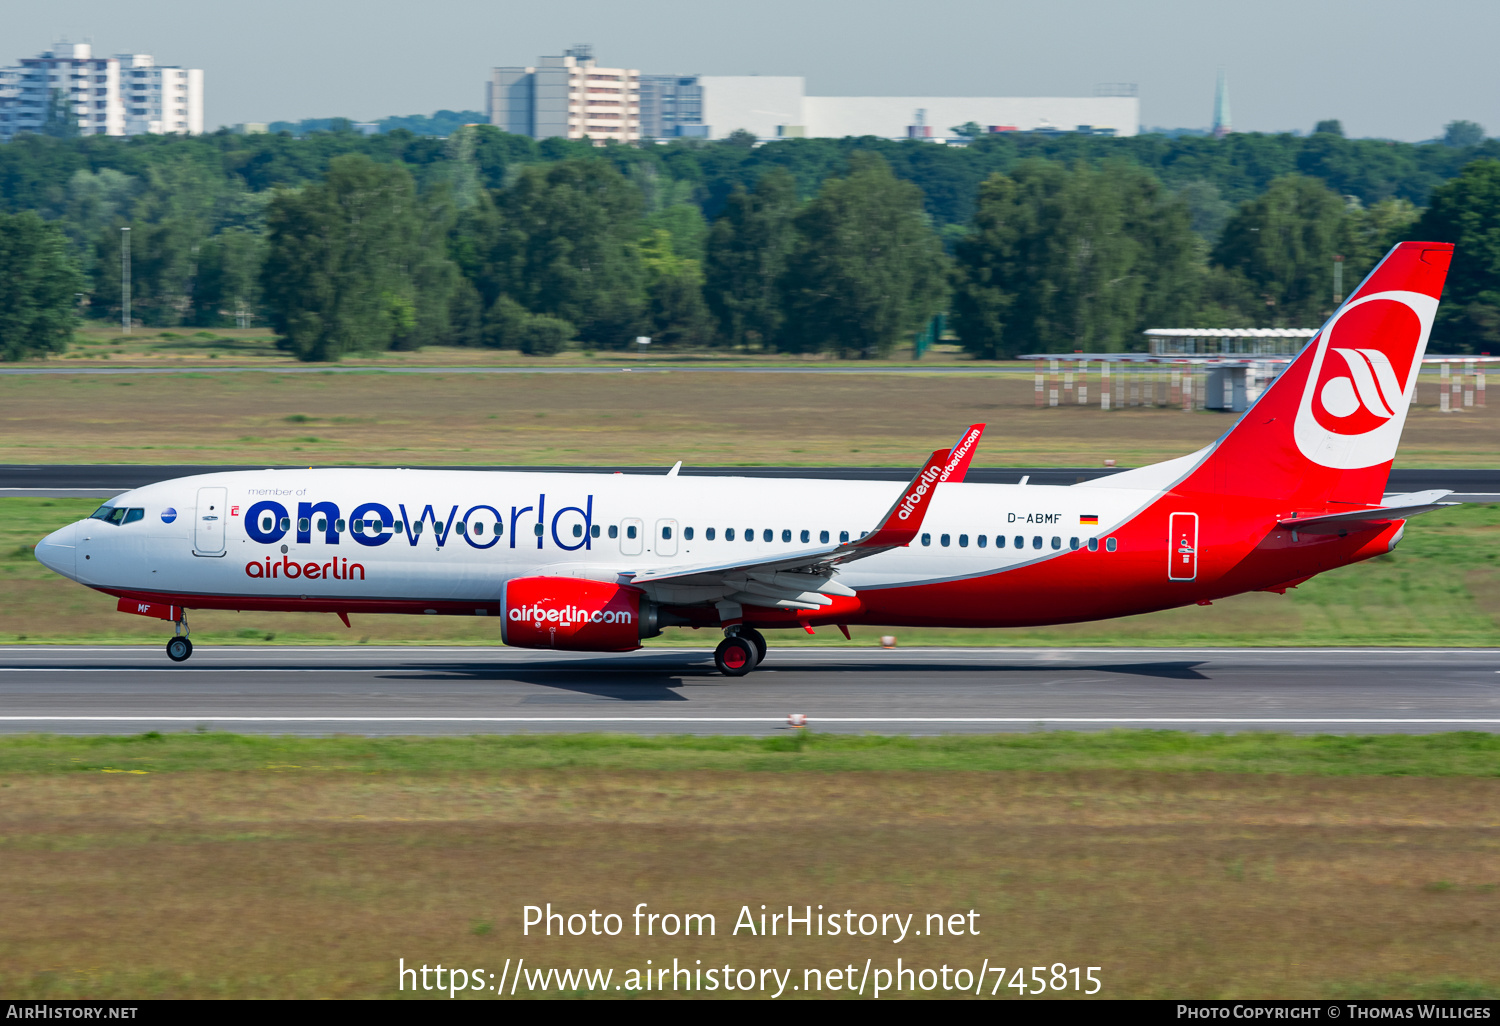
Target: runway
pixel 129 690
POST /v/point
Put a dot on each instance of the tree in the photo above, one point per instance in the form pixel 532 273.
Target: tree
pixel 563 242
pixel 746 255
pixel 1332 126
pixel 1465 212
pixel 345 261
pixel 61 119
pixel 1066 259
pixel 227 287
pixel 674 290
pixel 39 288
pixel 867 270
pixel 1463 133
pixel 1283 244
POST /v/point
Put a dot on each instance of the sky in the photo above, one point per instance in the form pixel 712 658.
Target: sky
pixel 1393 69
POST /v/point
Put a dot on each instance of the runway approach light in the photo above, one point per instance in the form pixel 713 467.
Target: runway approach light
pixel 797 719
pixel 887 641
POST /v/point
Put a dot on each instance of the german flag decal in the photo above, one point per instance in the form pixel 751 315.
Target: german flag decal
pixel 1088 518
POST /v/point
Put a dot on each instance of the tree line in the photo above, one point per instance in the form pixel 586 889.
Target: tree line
pixel 344 243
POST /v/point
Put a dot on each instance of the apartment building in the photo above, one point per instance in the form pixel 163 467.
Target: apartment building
pixel 567 97
pixel 672 107
pixel 126 94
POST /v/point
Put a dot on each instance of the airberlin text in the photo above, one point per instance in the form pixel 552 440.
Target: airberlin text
pixel 913 498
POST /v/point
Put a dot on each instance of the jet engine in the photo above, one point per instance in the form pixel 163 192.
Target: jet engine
pixel 577 614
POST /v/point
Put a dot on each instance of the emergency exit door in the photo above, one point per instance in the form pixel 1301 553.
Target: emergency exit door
pixel 1182 547
pixel 208 523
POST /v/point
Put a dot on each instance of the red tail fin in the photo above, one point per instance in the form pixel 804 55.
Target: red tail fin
pixel 1327 428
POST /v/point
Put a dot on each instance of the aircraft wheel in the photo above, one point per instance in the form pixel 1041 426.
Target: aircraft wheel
pixel 178 649
pixel 734 657
pixel 757 639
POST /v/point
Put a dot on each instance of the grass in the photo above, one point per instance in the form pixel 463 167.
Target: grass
pixel 1440 587
pixel 616 420
pixel 1466 754
pixel 219 866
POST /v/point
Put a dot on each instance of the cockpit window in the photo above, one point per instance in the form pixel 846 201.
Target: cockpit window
pixel 118 515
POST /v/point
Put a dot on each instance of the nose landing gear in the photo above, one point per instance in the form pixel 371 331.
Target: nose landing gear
pixel 742 650
pixel 181 646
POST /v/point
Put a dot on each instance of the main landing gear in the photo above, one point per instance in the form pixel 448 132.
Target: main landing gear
pixel 742 650
pixel 181 646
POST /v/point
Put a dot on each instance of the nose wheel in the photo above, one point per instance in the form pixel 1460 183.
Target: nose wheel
pixel 180 647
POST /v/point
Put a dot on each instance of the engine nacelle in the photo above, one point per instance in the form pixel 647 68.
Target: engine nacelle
pixel 572 613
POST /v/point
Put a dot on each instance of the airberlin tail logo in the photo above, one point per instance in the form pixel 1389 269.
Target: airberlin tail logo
pixel 1362 377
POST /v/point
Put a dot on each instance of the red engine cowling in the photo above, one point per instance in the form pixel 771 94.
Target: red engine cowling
pixel 570 613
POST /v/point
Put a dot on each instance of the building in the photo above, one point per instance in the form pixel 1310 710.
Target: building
pixel 122 95
pixel 672 107
pixel 1222 124
pixel 778 107
pixel 159 99
pixel 567 97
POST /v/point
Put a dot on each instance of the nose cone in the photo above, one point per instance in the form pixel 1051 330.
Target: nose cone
pixel 56 551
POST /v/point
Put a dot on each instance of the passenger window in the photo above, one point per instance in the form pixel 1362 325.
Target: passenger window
pixel 807 536
pixel 999 541
pixel 303 525
pixel 463 528
pixel 750 534
pixel 729 534
pixel 338 525
pixel 786 535
pixel 687 534
pixel 630 531
pixel 1093 544
pixel 708 534
pixel 593 530
pixel 666 532
pixel 1056 542
pixel 357 526
pixel 500 529
pixel 286 523
pixel 943 541
pixel 1020 542
pixel 478 529
pixel 843 537
pixel 536 529
pixel 926 539
pixel 417 527
pixel 1109 544
pixel 1073 544
pixel 322 523
pixel 823 537
pixel 614 531
pixel 981 541
pixel 398 526
pixel 1036 541
pixel 963 541
pixel 134 515
pixel 577 530
pixel 767 534
pixel 437 525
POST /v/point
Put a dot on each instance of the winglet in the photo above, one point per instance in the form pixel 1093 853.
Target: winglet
pixel 903 520
pixel 963 453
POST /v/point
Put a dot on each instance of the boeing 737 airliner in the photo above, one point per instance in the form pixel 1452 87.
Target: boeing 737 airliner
pixel 600 562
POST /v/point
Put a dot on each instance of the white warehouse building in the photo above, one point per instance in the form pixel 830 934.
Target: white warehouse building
pixel 128 94
pixel 777 106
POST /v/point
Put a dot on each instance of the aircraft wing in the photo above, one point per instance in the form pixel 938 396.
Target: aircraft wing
pixel 1397 507
pixel 804 579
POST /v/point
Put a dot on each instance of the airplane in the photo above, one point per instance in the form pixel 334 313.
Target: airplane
pixel 601 562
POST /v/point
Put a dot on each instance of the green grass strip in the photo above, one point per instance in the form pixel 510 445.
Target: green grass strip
pixel 1470 754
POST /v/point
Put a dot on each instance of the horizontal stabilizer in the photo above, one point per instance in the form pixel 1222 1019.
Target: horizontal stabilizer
pixel 1399 507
